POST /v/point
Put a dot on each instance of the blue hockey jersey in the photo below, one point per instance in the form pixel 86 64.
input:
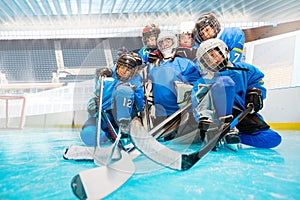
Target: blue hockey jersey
pixel 163 77
pixel 246 79
pixel 234 38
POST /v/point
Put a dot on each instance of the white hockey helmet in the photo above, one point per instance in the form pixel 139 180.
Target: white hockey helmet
pixel 186 27
pixel 186 33
pixel 167 43
pixel 205 56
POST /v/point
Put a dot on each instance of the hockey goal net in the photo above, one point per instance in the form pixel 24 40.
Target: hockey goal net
pixel 12 112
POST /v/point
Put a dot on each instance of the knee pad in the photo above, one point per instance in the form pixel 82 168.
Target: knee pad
pixel 124 90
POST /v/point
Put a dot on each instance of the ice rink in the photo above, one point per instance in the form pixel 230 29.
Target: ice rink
pixel 32 167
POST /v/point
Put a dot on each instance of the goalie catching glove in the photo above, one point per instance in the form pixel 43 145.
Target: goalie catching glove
pixel 254 96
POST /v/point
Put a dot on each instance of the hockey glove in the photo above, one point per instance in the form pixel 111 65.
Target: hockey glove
pixel 92 106
pixel 254 96
pixel 100 72
pixel 153 56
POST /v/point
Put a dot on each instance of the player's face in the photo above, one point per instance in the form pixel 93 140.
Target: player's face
pixel 166 43
pixel 213 58
pixel 151 41
pixel 207 33
pixel 123 71
pixel 186 40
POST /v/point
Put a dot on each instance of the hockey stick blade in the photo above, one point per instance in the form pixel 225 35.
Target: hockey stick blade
pixel 162 155
pixel 188 160
pixel 99 182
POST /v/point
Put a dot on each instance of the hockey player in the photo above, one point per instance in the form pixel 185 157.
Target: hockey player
pixel 208 26
pixel 149 52
pixel 186 38
pixel 169 69
pixel 122 98
pixel 232 87
pixel 187 47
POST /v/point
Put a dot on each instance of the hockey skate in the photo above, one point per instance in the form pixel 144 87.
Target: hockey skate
pixel 125 141
pixel 232 139
pixel 207 129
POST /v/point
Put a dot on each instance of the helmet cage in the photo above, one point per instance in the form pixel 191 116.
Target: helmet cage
pixel 167 52
pixel 206 61
pixel 148 31
pixel 132 62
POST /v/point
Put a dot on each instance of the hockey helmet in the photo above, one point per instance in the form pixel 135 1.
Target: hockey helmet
pixel 207 19
pixel 186 37
pixel 150 32
pixel 213 55
pixel 167 43
pixel 128 66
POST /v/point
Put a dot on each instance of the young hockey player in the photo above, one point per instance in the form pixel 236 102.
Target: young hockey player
pixel 122 98
pixel 208 26
pixel 232 87
pixel 169 69
pixel 187 47
pixel 149 52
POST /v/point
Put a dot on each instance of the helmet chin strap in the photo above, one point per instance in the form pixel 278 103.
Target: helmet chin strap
pixel 167 59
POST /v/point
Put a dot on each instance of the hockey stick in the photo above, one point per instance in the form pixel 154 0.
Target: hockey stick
pixel 158 130
pixel 146 109
pixel 104 156
pixel 97 183
pixel 171 122
pixel 173 159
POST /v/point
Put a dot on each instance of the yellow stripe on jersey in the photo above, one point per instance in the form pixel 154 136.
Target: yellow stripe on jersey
pixel 237 49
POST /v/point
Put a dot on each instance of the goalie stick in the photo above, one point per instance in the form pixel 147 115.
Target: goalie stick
pixel 162 155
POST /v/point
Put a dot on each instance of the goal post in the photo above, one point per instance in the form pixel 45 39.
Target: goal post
pixel 12 112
